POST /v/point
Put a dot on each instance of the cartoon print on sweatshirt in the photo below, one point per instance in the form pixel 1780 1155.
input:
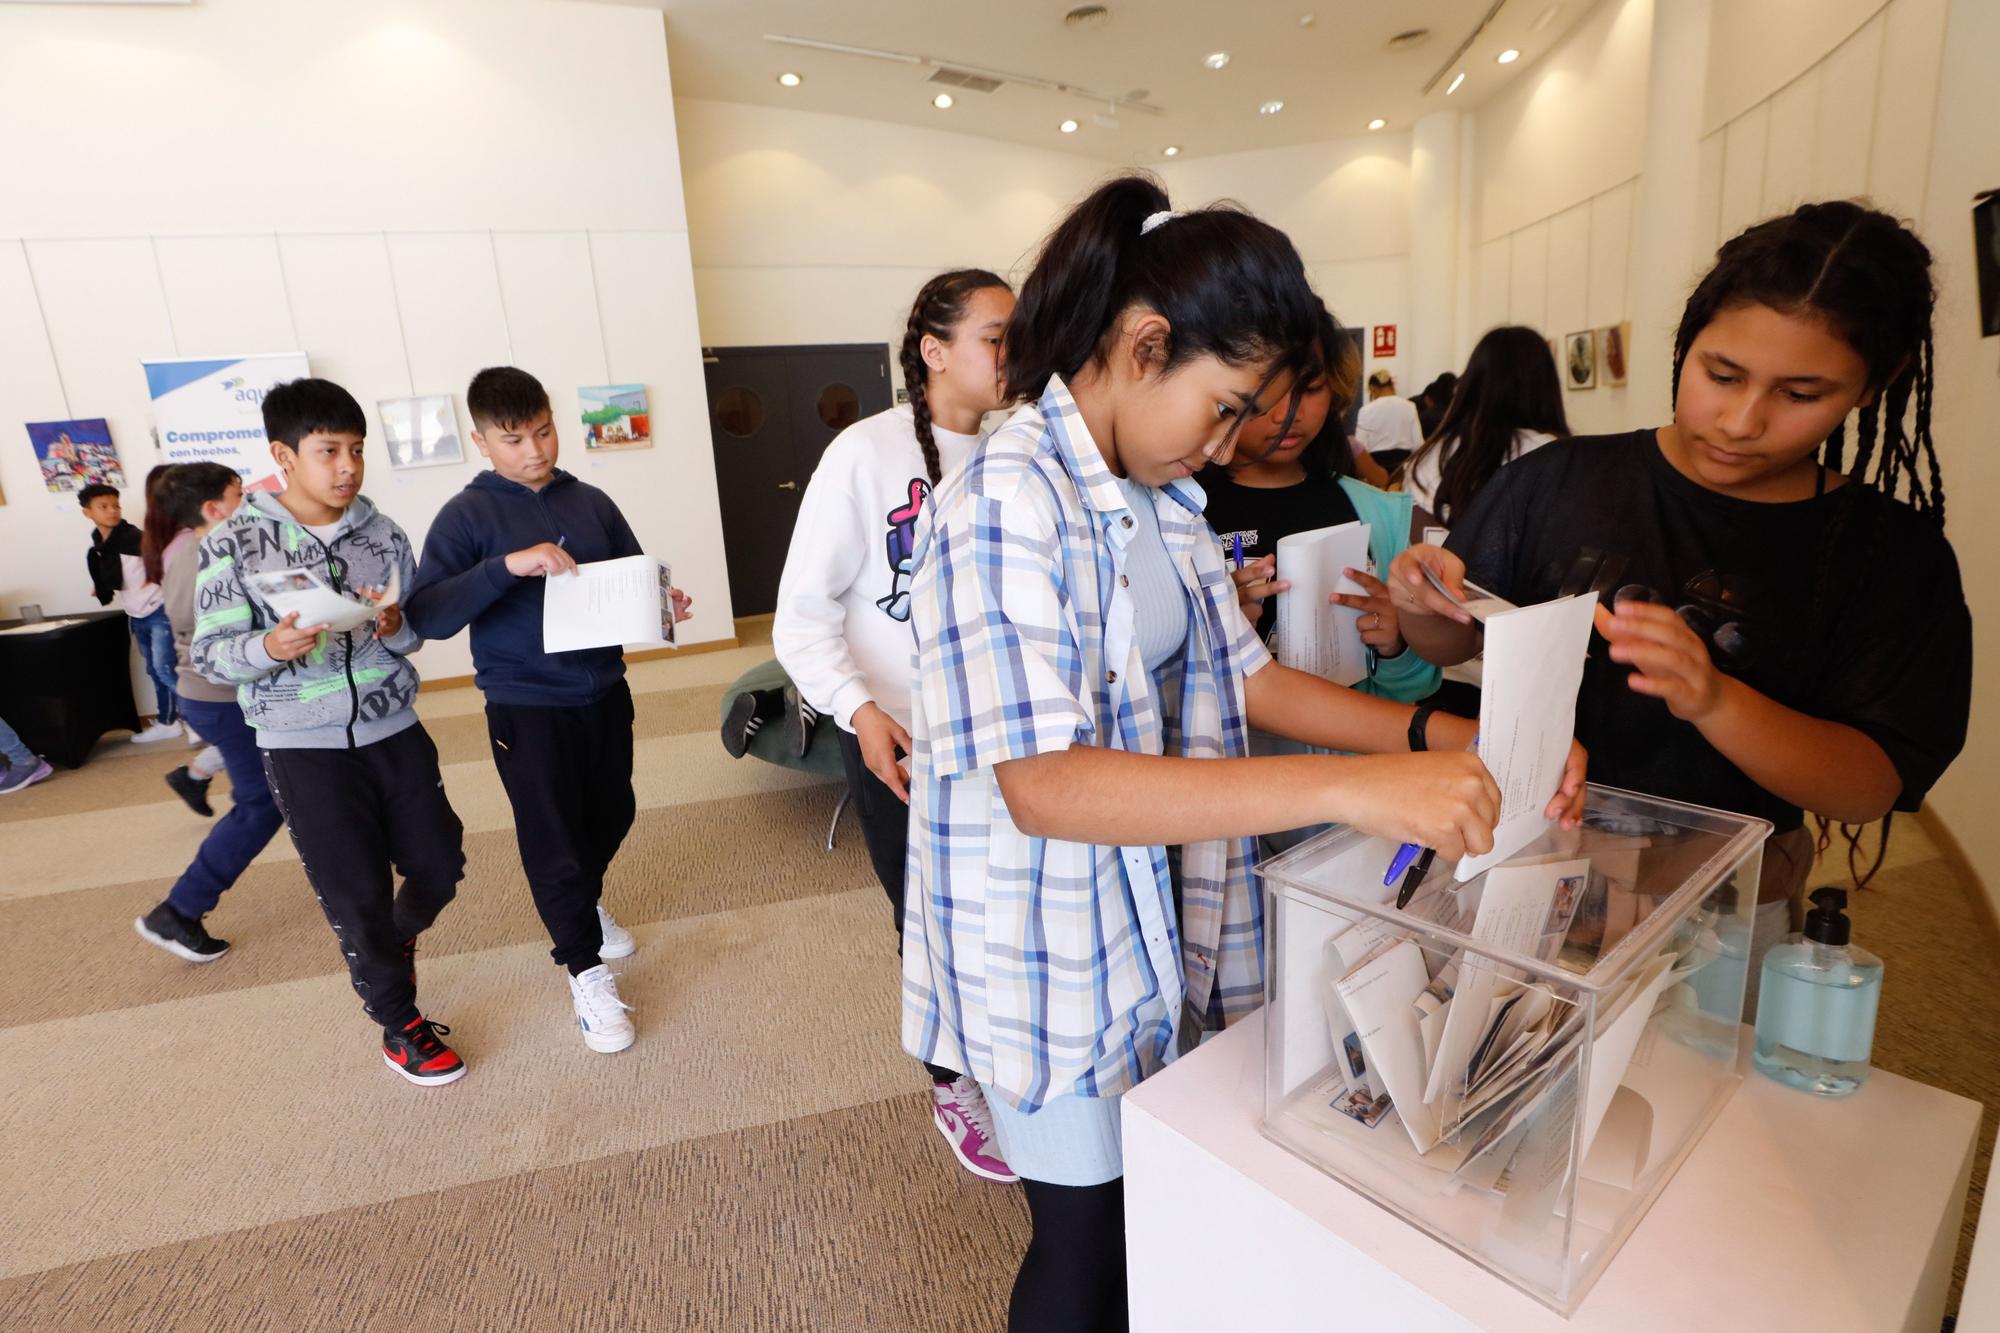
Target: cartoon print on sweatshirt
pixel 902 546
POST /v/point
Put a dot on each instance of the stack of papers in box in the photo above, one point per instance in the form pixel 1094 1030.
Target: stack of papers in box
pixel 1477 1059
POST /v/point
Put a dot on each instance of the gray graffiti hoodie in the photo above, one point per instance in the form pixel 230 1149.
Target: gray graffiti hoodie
pixel 351 689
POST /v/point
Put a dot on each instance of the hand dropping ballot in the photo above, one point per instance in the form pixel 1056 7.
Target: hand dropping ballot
pixel 304 592
pixel 609 604
pixel 1314 635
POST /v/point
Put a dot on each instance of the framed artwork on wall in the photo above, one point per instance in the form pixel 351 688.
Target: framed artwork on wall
pixel 421 432
pixel 615 416
pixel 1579 360
pixel 1614 353
pixel 76 454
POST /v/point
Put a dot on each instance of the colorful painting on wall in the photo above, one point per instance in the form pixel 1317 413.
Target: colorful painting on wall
pixel 1579 361
pixel 615 416
pixel 1614 351
pixel 76 454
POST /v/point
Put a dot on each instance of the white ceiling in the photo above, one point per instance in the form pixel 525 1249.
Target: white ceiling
pixel 1333 74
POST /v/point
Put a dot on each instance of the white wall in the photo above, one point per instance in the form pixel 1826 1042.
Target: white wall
pixel 1556 162
pixel 814 228
pixel 407 193
pixel 809 228
pixel 1346 205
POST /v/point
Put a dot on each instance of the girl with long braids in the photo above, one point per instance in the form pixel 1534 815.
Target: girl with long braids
pixel 1784 627
pixel 842 628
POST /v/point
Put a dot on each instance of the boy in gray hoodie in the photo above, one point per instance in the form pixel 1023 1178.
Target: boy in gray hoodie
pixel 353 771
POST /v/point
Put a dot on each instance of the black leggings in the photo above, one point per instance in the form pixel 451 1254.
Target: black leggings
pixel 1072 1279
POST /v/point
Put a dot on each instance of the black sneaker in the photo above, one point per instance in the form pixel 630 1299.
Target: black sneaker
pixel 800 720
pixel 748 712
pixel 416 1052
pixel 179 935
pixel 192 789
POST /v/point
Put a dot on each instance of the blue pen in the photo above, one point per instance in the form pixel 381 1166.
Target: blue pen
pixel 1404 855
pixel 1237 537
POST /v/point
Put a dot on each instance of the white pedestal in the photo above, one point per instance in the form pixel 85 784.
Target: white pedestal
pixel 1793 1212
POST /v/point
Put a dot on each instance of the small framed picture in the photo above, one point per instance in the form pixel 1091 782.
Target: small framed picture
pixel 421 432
pixel 1579 360
pixel 1613 352
pixel 615 416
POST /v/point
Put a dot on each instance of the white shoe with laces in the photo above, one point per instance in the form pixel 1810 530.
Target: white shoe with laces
pixel 159 731
pixel 618 941
pixel 599 1011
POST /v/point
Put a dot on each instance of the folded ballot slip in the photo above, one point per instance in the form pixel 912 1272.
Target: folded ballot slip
pixel 304 591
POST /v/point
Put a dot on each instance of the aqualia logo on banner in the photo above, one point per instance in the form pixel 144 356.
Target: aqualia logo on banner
pixel 209 408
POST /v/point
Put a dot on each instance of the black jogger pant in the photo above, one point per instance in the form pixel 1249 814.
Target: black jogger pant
pixel 568 775
pixel 356 816
pixel 885 828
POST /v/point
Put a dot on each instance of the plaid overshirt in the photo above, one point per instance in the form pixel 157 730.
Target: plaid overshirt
pixel 1038 966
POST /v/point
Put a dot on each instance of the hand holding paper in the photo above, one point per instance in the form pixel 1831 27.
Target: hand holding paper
pixel 610 603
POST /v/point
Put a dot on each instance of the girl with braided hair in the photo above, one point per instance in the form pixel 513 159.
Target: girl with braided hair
pixel 842 628
pixel 1786 631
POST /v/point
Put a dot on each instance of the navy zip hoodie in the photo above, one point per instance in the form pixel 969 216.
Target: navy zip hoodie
pixel 463 580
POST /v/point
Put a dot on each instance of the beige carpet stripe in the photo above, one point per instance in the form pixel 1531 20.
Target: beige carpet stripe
pixel 855 1219
pixel 460 738
pixel 75 851
pixel 679 861
pixel 207 1115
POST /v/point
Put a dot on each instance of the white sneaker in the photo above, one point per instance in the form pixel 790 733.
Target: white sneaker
pixel 599 1011
pixel 618 941
pixel 159 731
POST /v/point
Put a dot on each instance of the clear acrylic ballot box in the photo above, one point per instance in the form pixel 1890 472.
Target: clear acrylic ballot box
pixel 1518 1063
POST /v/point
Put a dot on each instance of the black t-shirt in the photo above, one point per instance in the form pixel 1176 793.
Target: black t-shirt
pixel 1263 515
pixel 1871 632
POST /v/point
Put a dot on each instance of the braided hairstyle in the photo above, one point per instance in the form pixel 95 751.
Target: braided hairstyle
pixel 938 309
pixel 1867 278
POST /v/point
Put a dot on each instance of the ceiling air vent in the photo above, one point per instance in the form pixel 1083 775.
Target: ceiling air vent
pixel 1403 41
pixel 959 78
pixel 1087 16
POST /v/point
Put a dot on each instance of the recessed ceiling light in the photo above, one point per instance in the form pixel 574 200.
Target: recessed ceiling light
pixel 1171 150
pixel 1307 20
pixel 1067 127
pixel 1377 123
pixel 1456 80
pixel 789 79
pixel 1271 108
pixel 1507 57
pixel 1215 59
pixel 942 101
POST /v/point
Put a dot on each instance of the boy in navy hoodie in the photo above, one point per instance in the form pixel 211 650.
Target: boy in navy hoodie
pixel 561 723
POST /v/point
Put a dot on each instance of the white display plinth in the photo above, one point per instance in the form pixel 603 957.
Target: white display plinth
pixel 1793 1212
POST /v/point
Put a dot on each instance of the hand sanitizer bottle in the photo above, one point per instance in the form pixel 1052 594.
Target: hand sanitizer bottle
pixel 1816 1012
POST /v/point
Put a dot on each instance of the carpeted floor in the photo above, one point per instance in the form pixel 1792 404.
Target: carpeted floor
pixel 220 1147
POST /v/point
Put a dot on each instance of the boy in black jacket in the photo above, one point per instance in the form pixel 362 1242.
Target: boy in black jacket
pixel 560 723
pixel 116 570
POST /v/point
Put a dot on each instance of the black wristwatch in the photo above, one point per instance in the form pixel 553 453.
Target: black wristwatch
pixel 1419 722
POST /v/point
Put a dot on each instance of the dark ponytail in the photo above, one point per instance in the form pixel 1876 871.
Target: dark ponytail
pixel 1509 385
pixel 1868 279
pixel 938 309
pixel 1229 285
pixel 173 505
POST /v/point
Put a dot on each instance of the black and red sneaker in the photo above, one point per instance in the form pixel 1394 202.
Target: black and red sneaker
pixel 416 1052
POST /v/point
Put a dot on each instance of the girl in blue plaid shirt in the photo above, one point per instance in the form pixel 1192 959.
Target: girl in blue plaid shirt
pixel 1080 648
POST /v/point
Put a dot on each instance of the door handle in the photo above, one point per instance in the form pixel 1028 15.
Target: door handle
pixel 788 485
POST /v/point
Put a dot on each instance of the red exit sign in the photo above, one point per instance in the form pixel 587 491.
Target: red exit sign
pixel 1385 340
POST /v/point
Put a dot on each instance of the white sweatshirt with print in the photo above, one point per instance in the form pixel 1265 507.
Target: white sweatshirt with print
pixel 842 628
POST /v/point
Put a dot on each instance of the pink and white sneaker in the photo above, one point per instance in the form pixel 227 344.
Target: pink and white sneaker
pixel 959 1111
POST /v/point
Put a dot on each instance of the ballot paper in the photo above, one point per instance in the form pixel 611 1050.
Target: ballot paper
pixel 1527 715
pixel 1315 635
pixel 1516 904
pixel 302 590
pixel 608 604
pixel 1381 996
pixel 1479 605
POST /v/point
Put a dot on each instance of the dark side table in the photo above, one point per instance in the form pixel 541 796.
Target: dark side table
pixel 62 688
